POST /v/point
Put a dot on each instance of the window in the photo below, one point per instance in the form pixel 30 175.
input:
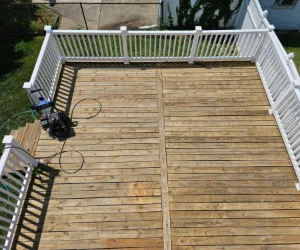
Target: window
pixel 285 2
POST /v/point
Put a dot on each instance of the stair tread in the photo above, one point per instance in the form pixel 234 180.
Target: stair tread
pixel 23 139
pixel 20 135
pixel 33 137
pixel 38 128
pixel 28 136
pixel 14 132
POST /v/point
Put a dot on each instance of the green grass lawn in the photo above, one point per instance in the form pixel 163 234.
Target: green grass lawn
pixel 18 57
pixel 291 43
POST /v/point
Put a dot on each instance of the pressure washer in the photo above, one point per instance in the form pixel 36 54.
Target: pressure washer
pixel 54 121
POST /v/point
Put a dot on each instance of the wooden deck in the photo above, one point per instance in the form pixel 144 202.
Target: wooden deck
pixel 180 157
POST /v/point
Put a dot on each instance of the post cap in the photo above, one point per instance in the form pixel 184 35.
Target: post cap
pixel 198 28
pixel 291 55
pixel 48 28
pixel 7 139
pixel 297 83
pixel 123 28
pixel 265 13
pixel 271 27
pixel 27 85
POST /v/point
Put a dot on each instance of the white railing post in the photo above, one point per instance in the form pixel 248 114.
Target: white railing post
pixel 46 72
pixel 260 48
pixel 198 32
pixel 124 42
pixel 262 43
pixel 293 69
pixel 52 40
pixel 264 15
pixel 10 142
pixel 280 99
pixel 297 83
pixel 28 86
pixel 48 29
pixel 15 154
pixel 291 55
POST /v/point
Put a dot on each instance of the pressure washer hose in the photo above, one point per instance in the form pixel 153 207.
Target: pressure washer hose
pixel 62 151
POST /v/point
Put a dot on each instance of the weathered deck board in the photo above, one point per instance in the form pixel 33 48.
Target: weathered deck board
pixel 115 200
pixel 180 157
pixel 229 176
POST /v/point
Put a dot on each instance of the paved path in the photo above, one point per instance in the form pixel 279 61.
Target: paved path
pixel 106 16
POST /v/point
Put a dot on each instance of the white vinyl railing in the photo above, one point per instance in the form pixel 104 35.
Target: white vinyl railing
pixel 277 69
pixel 280 79
pixel 47 68
pixel 281 82
pixel 131 46
pixel 15 168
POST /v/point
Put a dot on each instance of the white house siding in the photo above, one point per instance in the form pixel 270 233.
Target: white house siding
pixel 250 16
pixel 283 18
pixel 175 3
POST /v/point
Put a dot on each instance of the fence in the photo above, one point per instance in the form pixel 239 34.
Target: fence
pixel 47 69
pixel 131 46
pixel 280 78
pixel 15 167
pixel 156 45
pixel 25 18
pixel 278 72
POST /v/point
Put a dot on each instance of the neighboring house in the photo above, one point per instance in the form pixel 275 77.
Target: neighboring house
pixel 283 14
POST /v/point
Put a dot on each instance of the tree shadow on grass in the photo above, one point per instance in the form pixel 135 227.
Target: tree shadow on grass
pixel 289 38
pixel 26 17
pixel 18 57
pixel 10 56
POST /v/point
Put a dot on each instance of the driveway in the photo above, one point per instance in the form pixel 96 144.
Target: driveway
pixel 108 15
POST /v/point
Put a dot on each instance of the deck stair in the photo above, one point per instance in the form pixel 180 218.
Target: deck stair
pixel 28 136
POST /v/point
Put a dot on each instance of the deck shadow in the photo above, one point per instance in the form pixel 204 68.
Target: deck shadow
pixel 65 87
pixel 33 214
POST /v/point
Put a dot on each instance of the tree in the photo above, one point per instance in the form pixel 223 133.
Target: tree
pixel 213 12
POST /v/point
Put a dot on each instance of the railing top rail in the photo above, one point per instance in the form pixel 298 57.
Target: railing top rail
pixel 41 55
pixel 220 32
pixel 288 59
pixel 261 12
pixel 86 32
pixel 157 32
pixel 4 157
pixel 161 32
pixel 288 64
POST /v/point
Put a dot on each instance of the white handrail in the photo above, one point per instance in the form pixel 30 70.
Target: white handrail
pixel 40 58
pixel 281 82
pixel 15 168
pixel 86 32
pixel 134 46
pixel 276 68
pixel 224 32
pixel 46 70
